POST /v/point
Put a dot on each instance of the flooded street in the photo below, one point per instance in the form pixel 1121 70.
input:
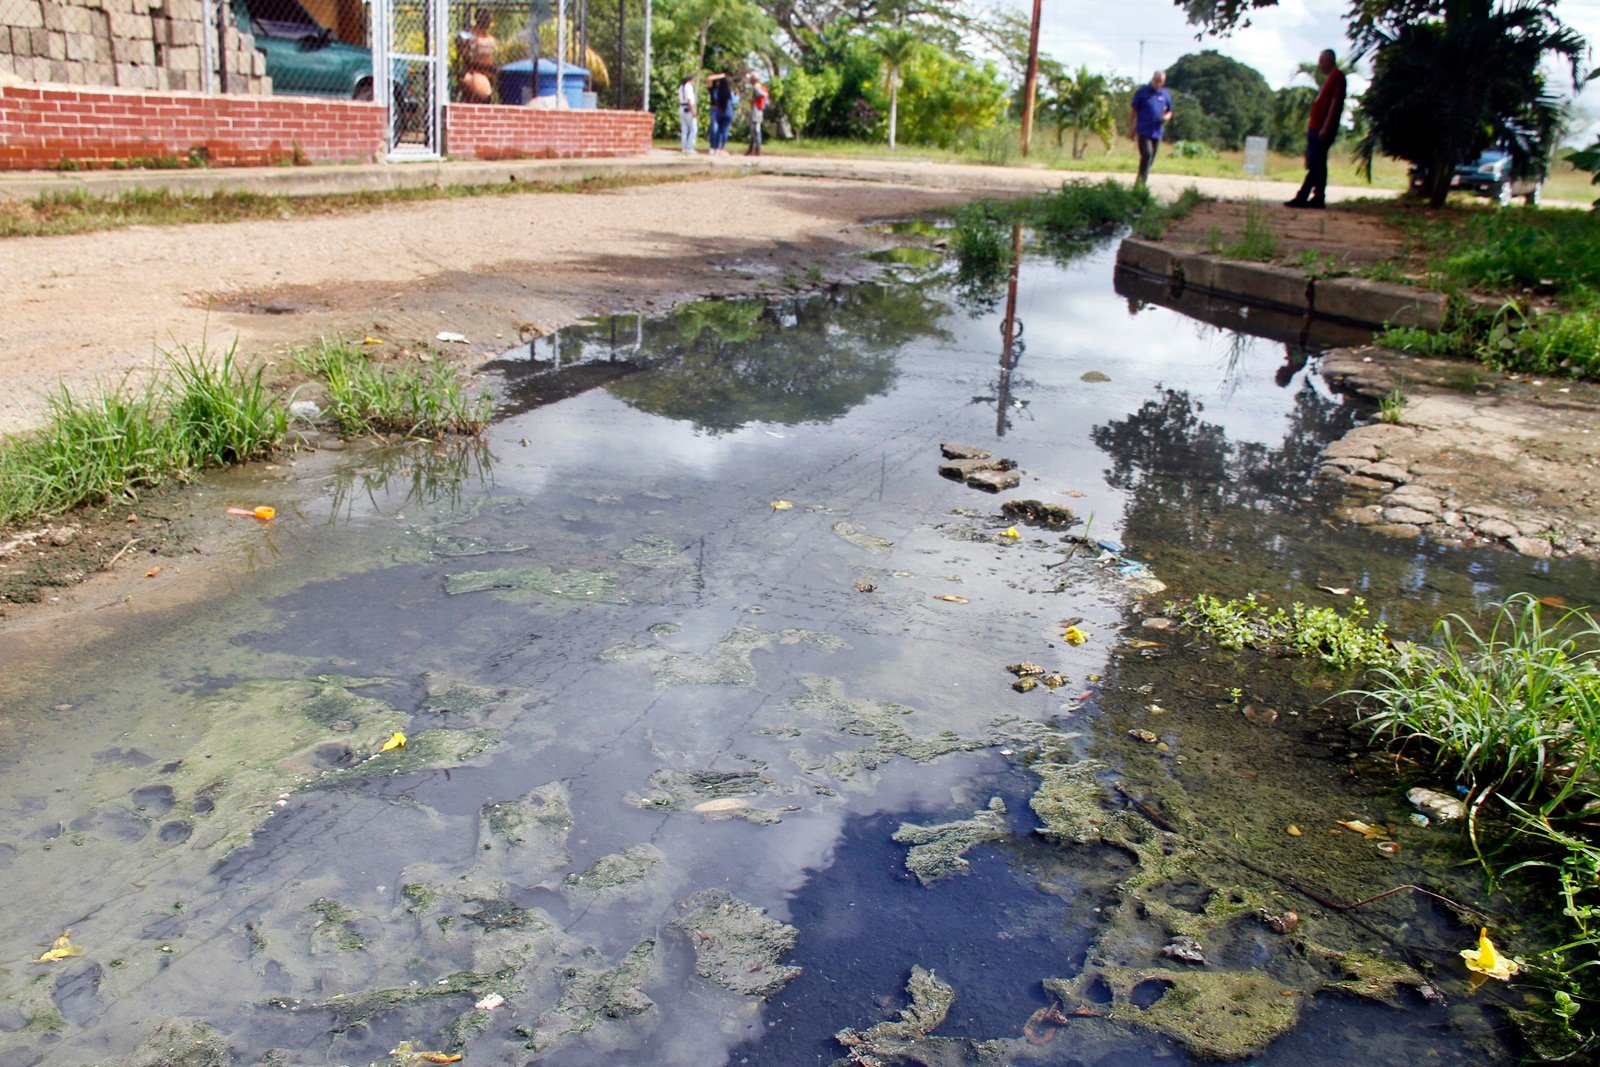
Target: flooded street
pixel 712 753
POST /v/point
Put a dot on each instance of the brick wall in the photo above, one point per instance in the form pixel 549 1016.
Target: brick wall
pixel 133 44
pixel 46 126
pixel 486 131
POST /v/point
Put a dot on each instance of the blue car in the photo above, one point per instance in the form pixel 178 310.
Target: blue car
pixel 1494 175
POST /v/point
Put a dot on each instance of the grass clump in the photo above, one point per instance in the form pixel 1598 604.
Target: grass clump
pixel 1258 242
pixel 199 413
pixel 1340 640
pixel 1514 713
pixel 365 397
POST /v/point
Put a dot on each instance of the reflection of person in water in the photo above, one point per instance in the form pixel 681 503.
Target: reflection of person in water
pixel 1294 358
pixel 476 48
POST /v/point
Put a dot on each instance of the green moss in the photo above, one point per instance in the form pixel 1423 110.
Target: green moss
pixel 538 582
pixel 619 869
pixel 592 996
pixel 1214 1014
pixel 335 925
pixel 931 998
pixel 420 897
pixel 1070 800
pixel 653 552
pixel 938 851
pixel 183 1043
pixel 736 945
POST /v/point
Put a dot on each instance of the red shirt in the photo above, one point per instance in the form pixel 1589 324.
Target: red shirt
pixel 1329 101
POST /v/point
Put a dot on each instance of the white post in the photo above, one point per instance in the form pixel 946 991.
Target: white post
pixel 561 53
pixel 646 105
pixel 208 43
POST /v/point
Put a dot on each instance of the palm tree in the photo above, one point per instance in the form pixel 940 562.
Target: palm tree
pixel 895 49
pixel 1445 89
pixel 1084 102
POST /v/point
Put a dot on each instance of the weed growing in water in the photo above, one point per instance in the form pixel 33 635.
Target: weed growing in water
pixel 364 397
pixel 1392 407
pixel 1341 640
pixel 1514 713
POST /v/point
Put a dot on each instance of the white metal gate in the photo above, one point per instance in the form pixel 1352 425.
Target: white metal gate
pixel 410 57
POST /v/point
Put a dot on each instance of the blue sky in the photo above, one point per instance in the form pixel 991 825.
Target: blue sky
pixel 1107 36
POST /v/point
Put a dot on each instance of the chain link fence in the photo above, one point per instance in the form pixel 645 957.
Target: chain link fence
pixel 495 51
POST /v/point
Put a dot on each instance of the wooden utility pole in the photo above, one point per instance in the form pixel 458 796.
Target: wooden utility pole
pixel 1030 85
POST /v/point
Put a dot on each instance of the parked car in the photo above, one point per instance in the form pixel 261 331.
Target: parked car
pixel 1494 175
pixel 303 56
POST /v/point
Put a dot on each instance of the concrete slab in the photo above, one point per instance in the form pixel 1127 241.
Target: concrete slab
pixel 1263 283
pixel 1147 256
pixel 1377 303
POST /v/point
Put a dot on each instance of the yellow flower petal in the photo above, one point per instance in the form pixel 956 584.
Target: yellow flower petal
pixel 396 740
pixel 1486 959
pixel 60 949
pixel 781 505
pixel 1011 533
pixel 1074 636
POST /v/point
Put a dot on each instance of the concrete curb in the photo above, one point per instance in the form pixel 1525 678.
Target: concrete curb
pixel 1349 300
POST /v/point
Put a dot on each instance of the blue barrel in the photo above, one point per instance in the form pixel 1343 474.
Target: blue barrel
pixel 516 81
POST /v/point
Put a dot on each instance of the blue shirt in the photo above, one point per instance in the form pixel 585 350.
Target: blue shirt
pixel 1149 105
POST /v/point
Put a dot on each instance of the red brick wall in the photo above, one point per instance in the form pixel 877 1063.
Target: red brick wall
pixel 487 131
pixel 44 126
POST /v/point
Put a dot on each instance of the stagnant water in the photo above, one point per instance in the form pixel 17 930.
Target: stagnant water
pixel 677 627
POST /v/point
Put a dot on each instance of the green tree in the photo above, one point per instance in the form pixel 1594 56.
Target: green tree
pixel 945 99
pixel 1086 103
pixel 1190 121
pixel 1232 94
pixel 1291 113
pixel 896 48
pixel 1421 109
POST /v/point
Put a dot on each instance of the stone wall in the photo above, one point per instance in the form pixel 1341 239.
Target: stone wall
pixel 129 44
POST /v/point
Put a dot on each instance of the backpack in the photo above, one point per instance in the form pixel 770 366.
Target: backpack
pixel 760 97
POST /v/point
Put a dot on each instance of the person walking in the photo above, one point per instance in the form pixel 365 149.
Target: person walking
pixel 688 123
pixel 719 95
pixel 1149 115
pixel 1321 128
pixel 758 108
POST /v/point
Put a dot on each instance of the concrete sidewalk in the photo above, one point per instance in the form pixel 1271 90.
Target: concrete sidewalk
pixel 367 177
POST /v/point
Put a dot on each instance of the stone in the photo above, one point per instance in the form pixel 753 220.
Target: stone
pixel 1440 807
pixel 1389 472
pixel 1358 481
pixel 1532 547
pixel 1404 530
pixel 961 469
pixel 1352 448
pixel 1403 515
pixel 954 451
pixel 1496 528
pixel 994 481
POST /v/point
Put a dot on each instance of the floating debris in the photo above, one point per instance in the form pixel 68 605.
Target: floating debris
pixel 859 536
pixel 1025 669
pixel 954 451
pixel 1038 513
pixel 1184 948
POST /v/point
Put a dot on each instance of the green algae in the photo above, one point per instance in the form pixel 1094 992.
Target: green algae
pixel 713 794
pixel 423 751
pixel 619 869
pixel 654 552
pixel 939 851
pixel 336 926
pixel 352 1009
pixel 861 537
pixel 420 897
pixel 729 663
pixel 1070 801
pixel 530 833
pixel 449 697
pixel 538 582
pixel 1214 1014
pixel 736 944
pixel 931 999
pixel 455 546
pixel 592 996
pixel 182 1043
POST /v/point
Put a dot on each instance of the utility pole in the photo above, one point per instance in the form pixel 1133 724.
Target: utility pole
pixel 1030 84
pixel 1140 78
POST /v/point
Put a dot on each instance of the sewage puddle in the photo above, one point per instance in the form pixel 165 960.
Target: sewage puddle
pixel 712 753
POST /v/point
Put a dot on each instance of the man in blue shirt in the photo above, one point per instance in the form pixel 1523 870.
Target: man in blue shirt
pixel 1152 109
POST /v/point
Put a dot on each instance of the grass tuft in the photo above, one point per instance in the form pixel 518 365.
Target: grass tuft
pixel 364 397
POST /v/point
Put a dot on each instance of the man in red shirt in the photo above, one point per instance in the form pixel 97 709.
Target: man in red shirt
pixel 1321 128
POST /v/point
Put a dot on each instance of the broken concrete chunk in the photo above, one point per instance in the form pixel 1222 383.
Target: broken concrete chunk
pixel 994 481
pixel 961 469
pixel 951 451
pixel 736 945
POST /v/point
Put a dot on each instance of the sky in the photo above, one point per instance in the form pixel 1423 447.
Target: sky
pixel 1107 36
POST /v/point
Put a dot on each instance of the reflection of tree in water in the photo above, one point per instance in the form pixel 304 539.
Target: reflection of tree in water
pixel 1189 484
pixel 723 363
